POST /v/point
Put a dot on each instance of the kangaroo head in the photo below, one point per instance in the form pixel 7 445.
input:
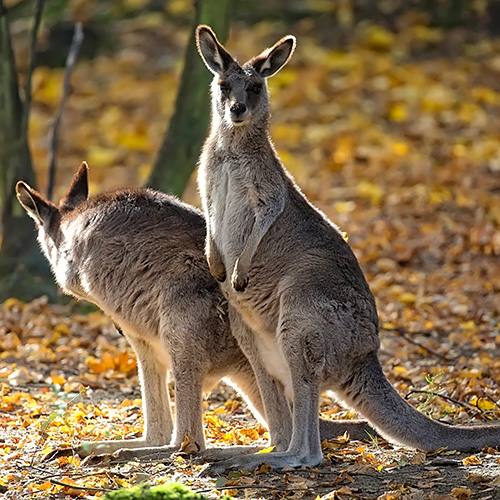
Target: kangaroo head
pixel 42 210
pixel 46 214
pixel 239 93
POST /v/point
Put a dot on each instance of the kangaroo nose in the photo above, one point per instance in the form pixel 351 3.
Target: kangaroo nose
pixel 238 108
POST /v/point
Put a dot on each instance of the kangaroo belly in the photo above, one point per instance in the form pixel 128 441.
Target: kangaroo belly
pixel 269 349
pixel 275 363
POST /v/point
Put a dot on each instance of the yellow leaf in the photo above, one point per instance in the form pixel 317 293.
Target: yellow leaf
pixel 399 148
pixel 137 141
pixel 125 363
pixel 327 445
pixel 461 493
pixel 179 7
pixel 263 469
pixel 78 415
pixel 57 379
pixel 287 132
pixel 371 191
pixel 398 112
pixel 344 490
pixel 424 33
pixel 439 195
pixel 102 157
pixel 486 95
pixel 343 207
pixel 266 450
pixel 344 151
pixel 44 486
pixel 13 302
pixel 468 325
pixel 460 150
pixel 62 329
pixel 95 365
pixel 377 37
pixel 482 404
pixel 472 460
pixel 47 86
pixel 407 298
pixel 401 371
pixel 189 445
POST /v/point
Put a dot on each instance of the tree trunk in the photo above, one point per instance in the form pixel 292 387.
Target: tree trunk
pixel 23 271
pixel 181 146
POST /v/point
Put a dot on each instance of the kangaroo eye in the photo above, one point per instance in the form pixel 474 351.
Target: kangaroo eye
pixel 224 88
pixel 256 89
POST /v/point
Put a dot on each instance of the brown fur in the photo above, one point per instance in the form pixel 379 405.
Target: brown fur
pixel 292 277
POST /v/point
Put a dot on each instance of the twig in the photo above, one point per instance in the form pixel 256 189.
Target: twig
pixel 31 67
pixel 447 398
pixel 404 334
pixel 56 474
pixel 258 487
pixel 402 330
pixel 76 43
pixel 75 487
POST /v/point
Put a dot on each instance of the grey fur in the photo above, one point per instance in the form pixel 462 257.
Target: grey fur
pixel 293 277
pixel 139 255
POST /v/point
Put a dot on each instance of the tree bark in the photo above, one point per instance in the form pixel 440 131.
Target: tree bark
pixel 182 142
pixel 23 271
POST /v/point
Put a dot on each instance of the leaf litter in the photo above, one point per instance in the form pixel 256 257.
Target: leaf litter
pixel 397 141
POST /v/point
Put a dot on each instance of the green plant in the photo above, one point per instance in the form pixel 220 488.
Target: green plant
pixel 169 491
pixel 433 389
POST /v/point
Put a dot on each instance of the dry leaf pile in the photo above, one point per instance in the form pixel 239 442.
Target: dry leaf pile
pixel 397 138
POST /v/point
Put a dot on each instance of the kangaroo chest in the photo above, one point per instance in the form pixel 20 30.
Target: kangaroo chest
pixel 229 209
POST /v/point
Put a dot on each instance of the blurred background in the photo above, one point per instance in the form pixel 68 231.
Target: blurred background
pixel 387 116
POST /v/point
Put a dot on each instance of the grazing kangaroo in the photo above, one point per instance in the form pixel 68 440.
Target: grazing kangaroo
pixel 139 255
pixel 292 276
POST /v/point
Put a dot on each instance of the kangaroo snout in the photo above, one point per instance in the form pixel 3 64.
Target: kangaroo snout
pixel 239 112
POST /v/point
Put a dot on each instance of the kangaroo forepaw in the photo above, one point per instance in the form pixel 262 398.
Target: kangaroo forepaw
pixel 239 281
pixel 218 271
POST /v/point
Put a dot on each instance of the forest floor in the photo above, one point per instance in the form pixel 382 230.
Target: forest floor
pixel 67 377
pixel 396 137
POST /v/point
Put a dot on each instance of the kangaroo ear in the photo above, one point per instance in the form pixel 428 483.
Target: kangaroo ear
pixel 273 59
pixel 214 55
pixel 33 202
pixel 78 190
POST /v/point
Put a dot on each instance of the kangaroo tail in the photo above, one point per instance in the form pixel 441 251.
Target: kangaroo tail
pixel 370 393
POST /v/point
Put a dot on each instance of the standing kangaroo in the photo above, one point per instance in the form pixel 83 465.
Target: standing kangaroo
pixel 138 255
pixel 292 276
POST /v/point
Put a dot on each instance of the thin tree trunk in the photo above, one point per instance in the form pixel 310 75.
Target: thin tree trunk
pixel 23 271
pixel 181 146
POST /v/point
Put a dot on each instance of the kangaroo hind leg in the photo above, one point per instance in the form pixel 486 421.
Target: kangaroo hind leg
pixel 158 423
pixel 305 370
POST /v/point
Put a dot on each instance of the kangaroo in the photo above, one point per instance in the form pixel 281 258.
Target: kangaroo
pixel 292 276
pixel 138 254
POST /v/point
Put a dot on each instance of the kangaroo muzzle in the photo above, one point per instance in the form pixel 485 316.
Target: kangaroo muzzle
pixel 239 112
